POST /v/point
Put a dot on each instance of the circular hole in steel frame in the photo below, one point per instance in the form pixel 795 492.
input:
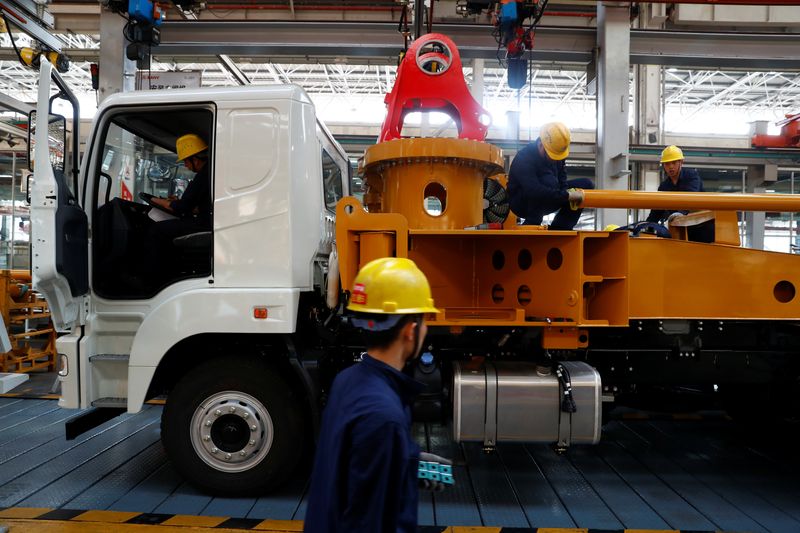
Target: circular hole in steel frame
pixel 498 259
pixel 554 258
pixel 784 291
pixel 524 259
pixel 434 199
pixel 498 293
pixel 524 295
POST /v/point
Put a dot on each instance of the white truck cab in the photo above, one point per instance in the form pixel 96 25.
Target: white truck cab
pixel 212 315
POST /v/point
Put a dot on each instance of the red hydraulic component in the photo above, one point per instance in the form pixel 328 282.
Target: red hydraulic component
pixel 430 78
pixel 788 138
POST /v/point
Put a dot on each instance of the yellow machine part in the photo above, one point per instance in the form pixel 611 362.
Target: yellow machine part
pixel 409 176
pixel 497 277
pixel 673 279
pixel 31 349
pixel 561 281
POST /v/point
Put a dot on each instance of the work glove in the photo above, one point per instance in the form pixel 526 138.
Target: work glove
pixel 434 473
pixel 575 198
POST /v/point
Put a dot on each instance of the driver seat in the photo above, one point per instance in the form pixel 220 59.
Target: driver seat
pixel 195 253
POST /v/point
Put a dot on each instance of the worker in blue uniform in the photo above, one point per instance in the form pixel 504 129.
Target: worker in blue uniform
pixel 365 471
pixel 193 214
pixel 538 184
pixel 679 178
pixel 194 206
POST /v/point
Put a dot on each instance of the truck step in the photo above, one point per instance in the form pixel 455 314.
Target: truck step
pixel 119 357
pixel 110 402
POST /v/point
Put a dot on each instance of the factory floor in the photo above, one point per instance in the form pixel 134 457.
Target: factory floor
pixel 666 472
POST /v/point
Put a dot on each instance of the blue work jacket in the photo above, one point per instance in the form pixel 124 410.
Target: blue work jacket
pixel 688 181
pixel 537 185
pixel 365 469
pixel 196 197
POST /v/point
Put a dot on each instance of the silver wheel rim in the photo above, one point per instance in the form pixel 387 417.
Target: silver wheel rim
pixel 231 431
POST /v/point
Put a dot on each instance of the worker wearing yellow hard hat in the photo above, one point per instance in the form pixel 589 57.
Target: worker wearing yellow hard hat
pixel 365 470
pixel 678 178
pixel 186 214
pixel 195 203
pixel 537 181
pixel 189 145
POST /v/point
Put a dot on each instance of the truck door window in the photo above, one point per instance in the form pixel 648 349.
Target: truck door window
pixel 135 165
pixel 138 249
pixel 331 179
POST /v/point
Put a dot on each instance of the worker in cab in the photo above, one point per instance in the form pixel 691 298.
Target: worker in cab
pixel 538 184
pixel 679 178
pixel 191 215
pixel 365 476
pixel 195 203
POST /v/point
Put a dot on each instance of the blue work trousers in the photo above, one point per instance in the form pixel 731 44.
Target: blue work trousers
pixel 565 218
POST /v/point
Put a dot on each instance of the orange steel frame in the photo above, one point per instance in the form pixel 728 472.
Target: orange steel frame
pixel 564 282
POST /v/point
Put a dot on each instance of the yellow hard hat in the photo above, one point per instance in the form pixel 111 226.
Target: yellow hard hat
pixel 555 139
pixel 671 153
pixel 611 227
pixel 189 145
pixel 390 286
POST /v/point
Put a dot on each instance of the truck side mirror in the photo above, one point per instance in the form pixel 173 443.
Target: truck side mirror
pixel 28 188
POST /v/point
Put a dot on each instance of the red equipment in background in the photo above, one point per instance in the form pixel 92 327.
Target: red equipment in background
pixel 788 138
pixel 430 78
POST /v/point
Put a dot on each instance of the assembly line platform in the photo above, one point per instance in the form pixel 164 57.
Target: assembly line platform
pixel 699 473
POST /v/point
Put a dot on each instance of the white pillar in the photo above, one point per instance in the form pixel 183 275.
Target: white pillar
pixel 613 67
pixel 648 128
pixel 117 72
pixel 477 80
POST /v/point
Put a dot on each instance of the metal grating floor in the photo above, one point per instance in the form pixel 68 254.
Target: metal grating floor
pixel 686 474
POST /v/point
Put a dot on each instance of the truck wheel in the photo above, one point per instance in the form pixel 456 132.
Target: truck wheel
pixel 233 427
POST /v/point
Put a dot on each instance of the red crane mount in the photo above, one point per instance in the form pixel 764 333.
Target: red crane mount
pixel 788 138
pixel 430 78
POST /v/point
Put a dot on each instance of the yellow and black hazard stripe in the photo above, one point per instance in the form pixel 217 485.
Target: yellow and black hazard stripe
pixel 42 520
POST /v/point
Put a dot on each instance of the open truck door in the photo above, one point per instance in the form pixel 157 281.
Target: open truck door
pixel 59 224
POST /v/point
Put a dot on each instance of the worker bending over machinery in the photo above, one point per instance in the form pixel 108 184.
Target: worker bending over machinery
pixel 537 181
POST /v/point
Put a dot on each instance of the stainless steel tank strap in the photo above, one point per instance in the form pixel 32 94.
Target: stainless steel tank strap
pixel 565 414
pixel 490 424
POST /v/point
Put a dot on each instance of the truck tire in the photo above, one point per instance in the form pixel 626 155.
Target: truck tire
pixel 234 427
